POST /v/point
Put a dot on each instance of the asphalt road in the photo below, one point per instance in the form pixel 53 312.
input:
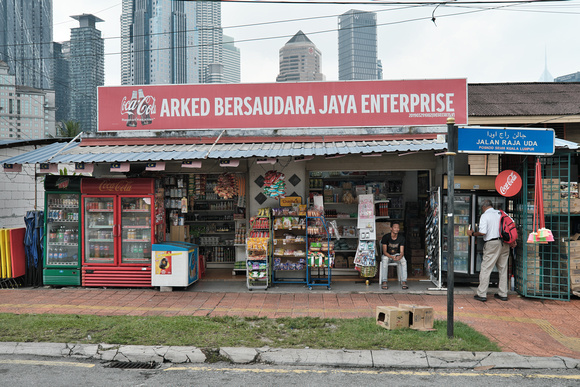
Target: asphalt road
pixel 38 372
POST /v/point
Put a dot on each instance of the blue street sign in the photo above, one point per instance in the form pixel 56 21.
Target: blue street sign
pixel 523 141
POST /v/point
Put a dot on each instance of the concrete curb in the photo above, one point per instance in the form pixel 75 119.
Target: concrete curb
pixel 292 356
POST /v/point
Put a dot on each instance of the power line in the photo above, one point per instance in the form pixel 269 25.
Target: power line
pixel 504 6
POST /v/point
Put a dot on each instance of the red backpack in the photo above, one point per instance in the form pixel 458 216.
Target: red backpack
pixel 507 229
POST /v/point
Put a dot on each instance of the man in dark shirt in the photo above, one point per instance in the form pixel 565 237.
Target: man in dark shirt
pixel 394 250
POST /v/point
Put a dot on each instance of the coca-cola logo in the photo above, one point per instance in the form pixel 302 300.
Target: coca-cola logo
pixel 138 109
pixel 115 186
pixel 508 183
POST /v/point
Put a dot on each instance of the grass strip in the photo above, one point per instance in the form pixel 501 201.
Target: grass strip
pixel 212 332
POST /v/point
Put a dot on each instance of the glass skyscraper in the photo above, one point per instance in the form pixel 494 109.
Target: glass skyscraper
pixel 231 57
pixel 158 42
pixel 26 41
pixel 87 71
pixel 357 46
pixel 209 26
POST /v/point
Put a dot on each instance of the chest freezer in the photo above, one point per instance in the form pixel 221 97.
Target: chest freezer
pixel 174 264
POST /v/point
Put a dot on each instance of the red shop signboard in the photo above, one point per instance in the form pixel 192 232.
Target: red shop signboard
pixel 282 105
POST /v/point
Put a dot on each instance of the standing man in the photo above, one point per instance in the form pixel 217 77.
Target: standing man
pixel 495 252
pixel 394 249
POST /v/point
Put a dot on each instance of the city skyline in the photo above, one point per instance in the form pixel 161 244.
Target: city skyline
pixel 505 44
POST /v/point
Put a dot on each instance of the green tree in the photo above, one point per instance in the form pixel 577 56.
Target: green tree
pixel 68 128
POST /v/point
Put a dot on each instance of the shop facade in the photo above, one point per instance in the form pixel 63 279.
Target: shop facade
pixel 214 179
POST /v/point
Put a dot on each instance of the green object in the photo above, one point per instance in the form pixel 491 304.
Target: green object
pixel 61 277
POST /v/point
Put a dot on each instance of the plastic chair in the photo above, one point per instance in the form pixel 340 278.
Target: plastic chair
pixel 393 263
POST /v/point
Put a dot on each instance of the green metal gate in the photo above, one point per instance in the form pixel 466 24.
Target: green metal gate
pixel 543 270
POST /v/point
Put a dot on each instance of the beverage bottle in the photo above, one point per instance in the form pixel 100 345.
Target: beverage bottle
pixel 140 252
pixel 50 255
pixel 146 250
pixel 144 109
pixel 132 111
pixel 97 250
pixel 107 251
pixel 102 251
pixel 60 254
pixel 66 238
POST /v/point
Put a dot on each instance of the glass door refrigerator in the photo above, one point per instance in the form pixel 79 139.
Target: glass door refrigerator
pixel 461 241
pixel 498 203
pixel 62 230
pixel 118 223
pixel 468 250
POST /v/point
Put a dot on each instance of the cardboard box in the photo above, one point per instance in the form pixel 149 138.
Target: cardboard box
pixel 179 233
pixel 417 259
pixel 391 317
pixel 574 263
pixel 420 317
pixel 382 229
pixel 417 269
pixel 555 181
pixel 350 261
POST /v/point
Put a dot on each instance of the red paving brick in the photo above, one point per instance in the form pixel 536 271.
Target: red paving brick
pixel 522 325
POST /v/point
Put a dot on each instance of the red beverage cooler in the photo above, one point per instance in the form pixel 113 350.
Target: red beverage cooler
pixel 118 222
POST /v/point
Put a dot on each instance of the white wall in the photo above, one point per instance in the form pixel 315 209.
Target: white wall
pixel 288 168
pixel 17 190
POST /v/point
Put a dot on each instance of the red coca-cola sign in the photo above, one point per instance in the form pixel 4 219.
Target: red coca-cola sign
pixel 508 183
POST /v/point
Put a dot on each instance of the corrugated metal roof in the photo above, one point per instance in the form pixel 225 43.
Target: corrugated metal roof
pixel 143 153
pixel 40 155
pixel 523 99
pixel 135 153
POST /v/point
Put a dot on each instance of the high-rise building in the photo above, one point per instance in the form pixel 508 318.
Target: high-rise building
pixel 357 45
pixel 209 27
pixel 61 78
pixel 300 60
pixel 574 77
pixel 87 70
pixel 158 42
pixel 26 113
pixel 231 57
pixel 26 41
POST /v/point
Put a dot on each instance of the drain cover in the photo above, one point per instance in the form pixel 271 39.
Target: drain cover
pixel 133 365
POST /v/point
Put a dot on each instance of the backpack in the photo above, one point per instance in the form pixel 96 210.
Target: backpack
pixel 507 229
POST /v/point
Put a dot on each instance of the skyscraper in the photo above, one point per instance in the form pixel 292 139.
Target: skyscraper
pixel 209 26
pixel 61 80
pixel 25 113
pixel 357 45
pixel 158 42
pixel 300 60
pixel 26 41
pixel 231 57
pixel 87 70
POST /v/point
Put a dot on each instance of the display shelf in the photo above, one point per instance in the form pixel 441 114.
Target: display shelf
pixel 320 251
pixel 288 248
pixel 257 273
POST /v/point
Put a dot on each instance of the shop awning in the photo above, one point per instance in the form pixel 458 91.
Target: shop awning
pixel 73 153
pixel 145 153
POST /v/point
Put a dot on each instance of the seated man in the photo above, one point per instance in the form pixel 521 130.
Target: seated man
pixel 394 250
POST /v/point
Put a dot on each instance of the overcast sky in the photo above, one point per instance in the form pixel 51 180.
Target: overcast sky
pixel 506 44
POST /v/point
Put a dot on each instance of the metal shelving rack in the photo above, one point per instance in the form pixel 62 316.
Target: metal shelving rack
pixel 317 230
pixel 257 259
pixel 298 262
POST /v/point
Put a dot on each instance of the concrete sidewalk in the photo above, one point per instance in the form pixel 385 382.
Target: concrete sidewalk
pixel 522 326
pixel 292 357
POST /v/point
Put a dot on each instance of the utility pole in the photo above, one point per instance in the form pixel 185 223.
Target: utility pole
pixel 451 152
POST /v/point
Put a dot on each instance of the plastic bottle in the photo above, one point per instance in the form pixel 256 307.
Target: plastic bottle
pixel 512 283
